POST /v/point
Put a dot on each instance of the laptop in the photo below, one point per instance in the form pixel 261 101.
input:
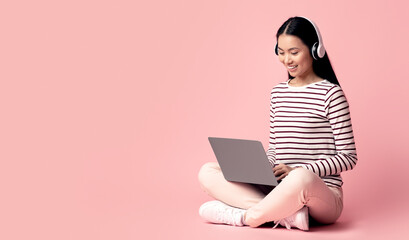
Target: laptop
pixel 243 161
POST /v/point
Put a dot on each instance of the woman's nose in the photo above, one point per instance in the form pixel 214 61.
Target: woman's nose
pixel 287 59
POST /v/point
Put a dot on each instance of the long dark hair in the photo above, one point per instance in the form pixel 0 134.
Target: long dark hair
pixel 303 29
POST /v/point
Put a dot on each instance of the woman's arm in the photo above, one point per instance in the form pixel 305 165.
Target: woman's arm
pixel 337 111
pixel 271 151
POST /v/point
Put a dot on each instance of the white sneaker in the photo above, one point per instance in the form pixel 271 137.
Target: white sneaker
pixel 219 212
pixel 298 220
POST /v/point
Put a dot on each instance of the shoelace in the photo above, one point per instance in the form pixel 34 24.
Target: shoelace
pixel 227 216
pixel 283 222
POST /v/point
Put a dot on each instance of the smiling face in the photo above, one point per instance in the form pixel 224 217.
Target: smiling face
pixel 295 56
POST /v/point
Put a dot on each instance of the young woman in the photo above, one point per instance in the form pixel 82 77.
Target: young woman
pixel 311 143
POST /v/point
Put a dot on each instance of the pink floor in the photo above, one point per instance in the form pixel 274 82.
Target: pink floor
pixel 352 225
pixel 376 213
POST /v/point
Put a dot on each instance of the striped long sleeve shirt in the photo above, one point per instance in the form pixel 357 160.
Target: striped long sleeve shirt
pixel 311 127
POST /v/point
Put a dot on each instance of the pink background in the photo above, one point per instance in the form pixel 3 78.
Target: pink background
pixel 106 107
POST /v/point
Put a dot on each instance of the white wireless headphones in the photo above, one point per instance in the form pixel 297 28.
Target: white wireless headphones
pixel 318 49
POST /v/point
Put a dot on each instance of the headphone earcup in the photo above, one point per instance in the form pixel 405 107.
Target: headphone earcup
pixel 276 49
pixel 314 51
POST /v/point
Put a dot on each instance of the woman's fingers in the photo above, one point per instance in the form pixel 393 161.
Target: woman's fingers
pixel 282 176
pixel 279 170
pixel 278 167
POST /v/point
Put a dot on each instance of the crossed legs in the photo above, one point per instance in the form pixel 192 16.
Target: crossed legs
pixel 300 188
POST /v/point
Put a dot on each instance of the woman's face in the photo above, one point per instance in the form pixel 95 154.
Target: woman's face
pixel 295 56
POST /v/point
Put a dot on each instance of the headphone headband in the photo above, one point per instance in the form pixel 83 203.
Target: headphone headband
pixel 320 49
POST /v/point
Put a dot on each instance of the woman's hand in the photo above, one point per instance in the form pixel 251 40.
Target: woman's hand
pixel 281 171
